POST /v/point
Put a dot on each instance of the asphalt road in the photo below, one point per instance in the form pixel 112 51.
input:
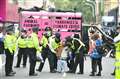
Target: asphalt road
pixel 22 73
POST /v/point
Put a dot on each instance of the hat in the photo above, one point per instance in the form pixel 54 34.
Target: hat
pixel 57 35
pixel 48 29
pixel 10 28
pixel 76 36
pixel 35 29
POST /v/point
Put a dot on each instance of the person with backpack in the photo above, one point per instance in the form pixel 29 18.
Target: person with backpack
pixel 96 55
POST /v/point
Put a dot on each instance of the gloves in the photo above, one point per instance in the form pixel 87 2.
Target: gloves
pixel 39 57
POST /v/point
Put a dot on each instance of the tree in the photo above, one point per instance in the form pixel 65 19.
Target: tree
pixel 78 4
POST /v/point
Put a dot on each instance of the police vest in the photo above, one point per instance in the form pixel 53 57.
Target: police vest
pixel 10 43
pixel 44 41
pixel 21 42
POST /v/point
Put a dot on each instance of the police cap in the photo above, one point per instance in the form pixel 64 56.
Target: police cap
pixel 57 35
pixel 76 36
pixel 10 28
pixel 35 29
pixel 48 29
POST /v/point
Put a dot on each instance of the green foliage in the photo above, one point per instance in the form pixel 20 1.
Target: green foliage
pixel 80 6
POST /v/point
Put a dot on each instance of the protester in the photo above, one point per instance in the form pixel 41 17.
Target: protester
pixel 96 55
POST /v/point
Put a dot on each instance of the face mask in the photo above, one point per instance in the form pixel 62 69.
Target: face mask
pixel 57 40
pixel 49 33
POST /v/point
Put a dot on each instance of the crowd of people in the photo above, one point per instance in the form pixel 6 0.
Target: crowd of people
pixel 64 55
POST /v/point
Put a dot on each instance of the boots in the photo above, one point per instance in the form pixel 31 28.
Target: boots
pixel 99 74
pixel 92 74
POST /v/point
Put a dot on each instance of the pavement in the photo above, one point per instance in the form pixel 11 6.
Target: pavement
pixel 22 73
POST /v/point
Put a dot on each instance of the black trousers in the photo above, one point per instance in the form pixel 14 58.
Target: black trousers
pixel 32 60
pixel 1 47
pixel 22 53
pixel 55 61
pixel 79 59
pixel 95 63
pixel 9 62
pixel 70 61
pixel 46 53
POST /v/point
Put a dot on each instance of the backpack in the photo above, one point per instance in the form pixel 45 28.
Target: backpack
pixel 95 54
pixel 99 46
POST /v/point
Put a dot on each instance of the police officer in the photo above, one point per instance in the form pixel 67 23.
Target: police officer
pixel 33 47
pixel 79 56
pixel 22 49
pixel 117 54
pixel 46 52
pixel 70 58
pixel 10 47
pixel 54 44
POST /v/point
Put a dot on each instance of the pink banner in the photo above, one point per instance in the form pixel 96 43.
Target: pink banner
pixel 65 25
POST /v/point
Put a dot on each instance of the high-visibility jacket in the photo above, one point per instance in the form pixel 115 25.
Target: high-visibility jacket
pixel 53 45
pixel 44 41
pixel 36 41
pixel 10 43
pixel 33 42
pixel 22 42
pixel 29 42
pixel 117 63
pixel 77 44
